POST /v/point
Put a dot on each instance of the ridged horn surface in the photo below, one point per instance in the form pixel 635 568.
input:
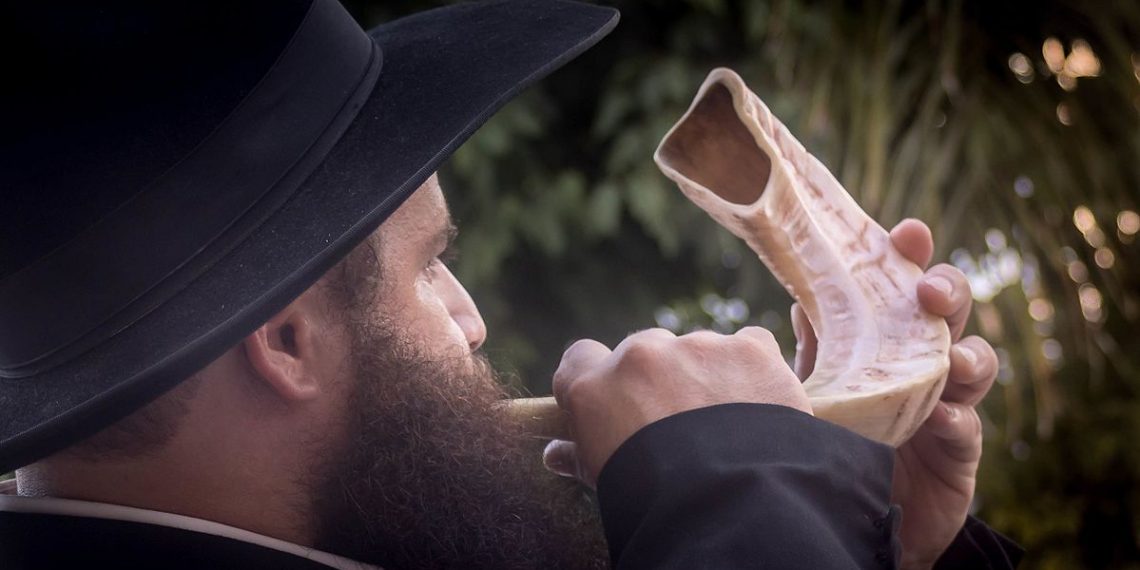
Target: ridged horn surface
pixel 882 360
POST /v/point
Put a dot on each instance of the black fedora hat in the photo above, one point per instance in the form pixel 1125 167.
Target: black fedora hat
pixel 175 173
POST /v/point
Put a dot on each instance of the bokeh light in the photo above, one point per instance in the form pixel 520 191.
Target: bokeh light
pixel 1023 186
pixel 1063 115
pixel 1104 258
pixel 1054 52
pixel 1040 309
pixel 1021 67
pixel 1083 218
pixel 1082 62
pixel 1128 222
pixel 1091 301
pixel 1052 350
pixel 1078 271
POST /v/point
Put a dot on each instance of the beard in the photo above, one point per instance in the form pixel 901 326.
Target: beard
pixel 432 473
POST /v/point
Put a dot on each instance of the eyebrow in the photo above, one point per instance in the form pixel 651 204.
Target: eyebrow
pixel 444 239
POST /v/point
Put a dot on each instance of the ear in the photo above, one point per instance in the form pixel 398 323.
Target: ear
pixel 285 353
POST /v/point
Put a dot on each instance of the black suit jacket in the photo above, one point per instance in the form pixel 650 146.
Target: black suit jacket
pixel 759 486
pixel 732 486
pixel 50 542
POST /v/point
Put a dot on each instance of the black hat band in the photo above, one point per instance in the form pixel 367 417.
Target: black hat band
pixel 129 262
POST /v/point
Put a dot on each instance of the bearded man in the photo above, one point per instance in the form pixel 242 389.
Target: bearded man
pixel 227 339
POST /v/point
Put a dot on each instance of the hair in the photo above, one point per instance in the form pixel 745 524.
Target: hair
pixel 349 286
pixel 144 431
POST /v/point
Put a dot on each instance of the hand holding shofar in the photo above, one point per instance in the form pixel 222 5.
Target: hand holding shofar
pixel 881 360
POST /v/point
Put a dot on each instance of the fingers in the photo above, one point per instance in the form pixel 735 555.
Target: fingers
pixel 582 355
pixel 912 239
pixel 958 430
pixel 806 342
pixel 945 292
pixel 973 368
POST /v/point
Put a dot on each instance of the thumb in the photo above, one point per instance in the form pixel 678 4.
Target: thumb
pixel 806 342
pixel 561 458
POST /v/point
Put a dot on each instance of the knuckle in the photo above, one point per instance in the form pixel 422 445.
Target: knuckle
pixel 560 384
pixel 760 339
pixel 572 394
pixel 701 339
pixel 640 353
pixel 650 335
pixel 575 348
pixel 570 391
pixel 571 367
pixel 763 335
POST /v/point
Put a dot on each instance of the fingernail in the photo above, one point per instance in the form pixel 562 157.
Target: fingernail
pixel 967 354
pixel 560 471
pixel 557 466
pixel 941 284
pixel 557 462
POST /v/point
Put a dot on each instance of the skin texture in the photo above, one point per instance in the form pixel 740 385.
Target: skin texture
pixel 284 427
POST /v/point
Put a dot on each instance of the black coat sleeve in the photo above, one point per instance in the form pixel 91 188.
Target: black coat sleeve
pixel 748 486
pixel 978 546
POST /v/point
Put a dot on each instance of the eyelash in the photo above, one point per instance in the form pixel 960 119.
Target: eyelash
pixel 445 258
pixel 449 255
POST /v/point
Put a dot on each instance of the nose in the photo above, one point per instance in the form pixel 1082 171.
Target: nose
pixel 462 309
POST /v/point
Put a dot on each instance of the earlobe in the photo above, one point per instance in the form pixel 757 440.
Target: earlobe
pixel 281 353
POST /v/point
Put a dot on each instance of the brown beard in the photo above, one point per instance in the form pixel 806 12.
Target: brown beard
pixel 434 476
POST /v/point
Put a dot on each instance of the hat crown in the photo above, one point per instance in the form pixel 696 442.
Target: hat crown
pixel 151 144
pixel 112 94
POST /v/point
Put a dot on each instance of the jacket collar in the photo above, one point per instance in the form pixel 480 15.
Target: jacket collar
pixel 11 502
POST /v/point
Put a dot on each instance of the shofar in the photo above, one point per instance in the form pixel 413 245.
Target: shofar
pixel 881 361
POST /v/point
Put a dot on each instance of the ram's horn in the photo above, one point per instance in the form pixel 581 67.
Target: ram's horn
pixel 882 360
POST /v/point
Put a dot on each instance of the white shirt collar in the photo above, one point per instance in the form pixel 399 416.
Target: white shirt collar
pixel 11 502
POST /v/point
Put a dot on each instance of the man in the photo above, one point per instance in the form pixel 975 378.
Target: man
pixel 229 340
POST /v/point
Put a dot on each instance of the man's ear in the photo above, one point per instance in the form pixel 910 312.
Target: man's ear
pixel 283 353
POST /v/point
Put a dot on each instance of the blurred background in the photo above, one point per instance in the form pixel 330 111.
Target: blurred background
pixel 1011 128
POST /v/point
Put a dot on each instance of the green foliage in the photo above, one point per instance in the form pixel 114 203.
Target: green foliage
pixel 944 110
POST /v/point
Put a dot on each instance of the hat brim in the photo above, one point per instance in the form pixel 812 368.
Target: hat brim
pixel 445 72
